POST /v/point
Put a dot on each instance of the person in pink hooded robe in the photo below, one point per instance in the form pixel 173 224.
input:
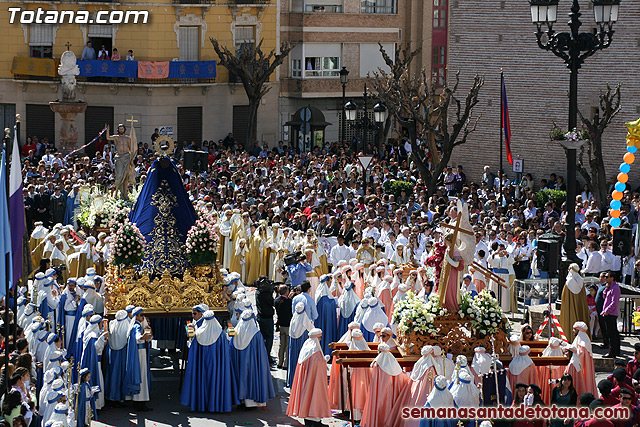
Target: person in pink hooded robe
pixel 581 364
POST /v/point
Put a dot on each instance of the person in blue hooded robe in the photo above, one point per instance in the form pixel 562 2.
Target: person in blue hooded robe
pixel 348 303
pixel 327 314
pixel 76 345
pixel 374 314
pixel 85 400
pixel 440 397
pixel 299 329
pixel 67 311
pixel 252 382
pixel 93 342
pixel 117 357
pixel 207 379
pixel 137 381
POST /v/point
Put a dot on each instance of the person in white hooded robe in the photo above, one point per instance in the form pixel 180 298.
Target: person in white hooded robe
pixel 373 315
pixel 299 329
pixel 440 397
pixel 444 365
pixel 117 356
pixel 93 342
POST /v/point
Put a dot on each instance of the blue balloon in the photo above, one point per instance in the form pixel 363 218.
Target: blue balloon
pixel 614 222
pixel 620 186
pixel 632 149
pixel 625 168
pixel 615 204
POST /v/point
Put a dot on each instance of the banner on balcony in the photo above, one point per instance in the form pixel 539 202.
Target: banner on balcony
pixel 97 68
pixel 45 67
pixel 192 69
pixel 153 69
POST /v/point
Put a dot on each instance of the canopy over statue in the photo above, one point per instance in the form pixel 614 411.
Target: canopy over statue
pixel 164 214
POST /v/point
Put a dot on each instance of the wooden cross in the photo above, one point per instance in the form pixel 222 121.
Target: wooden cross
pixel 68 45
pixel 444 278
pixel 131 121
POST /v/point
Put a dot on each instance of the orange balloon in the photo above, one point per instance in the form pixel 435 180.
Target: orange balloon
pixel 629 158
pixel 615 214
pixel 613 228
pixel 630 142
pixel 616 195
pixel 637 143
pixel 623 178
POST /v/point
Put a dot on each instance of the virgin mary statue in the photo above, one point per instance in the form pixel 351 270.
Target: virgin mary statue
pixel 164 214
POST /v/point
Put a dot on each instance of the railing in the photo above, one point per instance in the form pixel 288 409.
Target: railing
pixel 322 8
pixel 134 80
pixel 246 1
pixel 194 1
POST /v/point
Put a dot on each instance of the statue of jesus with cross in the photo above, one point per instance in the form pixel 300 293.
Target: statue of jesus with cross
pixel 460 242
pixel 126 148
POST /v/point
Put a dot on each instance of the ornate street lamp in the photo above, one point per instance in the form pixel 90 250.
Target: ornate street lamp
pixel 380 112
pixel 573 48
pixel 344 79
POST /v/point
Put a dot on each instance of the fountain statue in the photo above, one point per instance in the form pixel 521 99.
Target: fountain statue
pixel 68 108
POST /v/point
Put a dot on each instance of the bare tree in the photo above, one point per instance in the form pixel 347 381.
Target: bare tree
pixel 397 66
pixel 254 68
pixel 592 168
pixel 438 121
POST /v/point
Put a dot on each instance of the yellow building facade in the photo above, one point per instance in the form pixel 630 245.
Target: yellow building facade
pixel 178 30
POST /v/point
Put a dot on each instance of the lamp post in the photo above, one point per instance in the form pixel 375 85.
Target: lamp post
pixel 573 48
pixel 344 79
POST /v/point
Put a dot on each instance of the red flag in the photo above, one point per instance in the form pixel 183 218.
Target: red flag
pixel 505 121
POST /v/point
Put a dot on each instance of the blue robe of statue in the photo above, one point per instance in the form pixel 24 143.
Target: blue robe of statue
pixel 252 375
pixel 327 321
pixel 164 214
pixel 85 395
pixel 116 368
pixel 295 345
pixel 207 379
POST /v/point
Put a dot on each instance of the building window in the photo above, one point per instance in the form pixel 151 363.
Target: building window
pixel 296 68
pixel 438 65
pixel 41 40
pixel 377 6
pixel 101 35
pixel 245 37
pixel 321 66
pixel 439 13
pixel 189 43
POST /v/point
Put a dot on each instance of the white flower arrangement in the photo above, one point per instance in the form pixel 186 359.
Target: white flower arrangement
pixel 101 209
pixel 413 314
pixel 485 313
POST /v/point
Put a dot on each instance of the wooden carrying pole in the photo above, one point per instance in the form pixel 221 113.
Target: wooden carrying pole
pixel 489 275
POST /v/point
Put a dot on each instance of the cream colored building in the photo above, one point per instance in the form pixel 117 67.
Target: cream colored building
pixel 331 34
pixel 176 30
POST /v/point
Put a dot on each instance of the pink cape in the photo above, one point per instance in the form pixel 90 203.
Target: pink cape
pixel 383 393
pixel 338 393
pixel 543 377
pixel 360 387
pixel 387 300
pixel 309 392
pixel 359 287
pixel 585 380
pixel 528 376
pixel 414 393
pixel 480 285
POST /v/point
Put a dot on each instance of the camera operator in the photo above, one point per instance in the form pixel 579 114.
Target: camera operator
pixel 264 304
pixel 298 271
pixel 284 311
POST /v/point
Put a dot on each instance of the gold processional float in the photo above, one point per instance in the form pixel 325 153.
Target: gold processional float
pixel 166 272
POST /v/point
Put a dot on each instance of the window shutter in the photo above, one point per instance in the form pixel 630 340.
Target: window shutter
pixel 100 31
pixel 41 121
pixel 189 47
pixel 189 124
pixel 41 35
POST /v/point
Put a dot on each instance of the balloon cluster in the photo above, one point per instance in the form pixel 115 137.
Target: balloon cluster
pixel 633 144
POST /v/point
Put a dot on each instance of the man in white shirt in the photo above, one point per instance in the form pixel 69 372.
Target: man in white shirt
pixel 48 157
pixel 404 236
pixel 607 257
pixel 531 210
pixel 594 263
pixel 371 230
pixel 481 245
pixel 589 222
pixel 339 252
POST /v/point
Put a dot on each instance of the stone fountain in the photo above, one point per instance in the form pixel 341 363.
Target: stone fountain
pixel 68 108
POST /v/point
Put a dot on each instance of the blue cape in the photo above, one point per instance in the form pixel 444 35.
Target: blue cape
pixel 82 398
